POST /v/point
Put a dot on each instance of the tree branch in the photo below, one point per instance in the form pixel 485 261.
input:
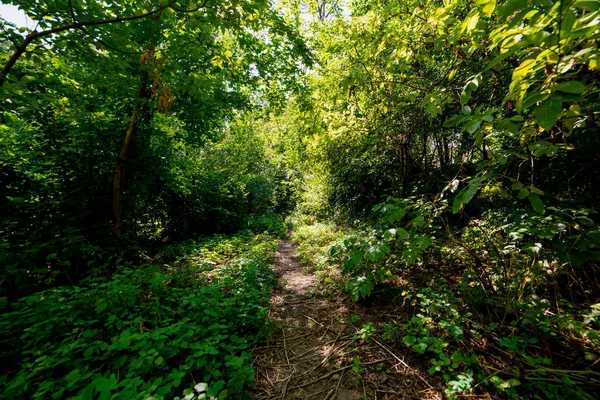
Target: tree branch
pixel 74 25
pixel 192 10
pixel 95 38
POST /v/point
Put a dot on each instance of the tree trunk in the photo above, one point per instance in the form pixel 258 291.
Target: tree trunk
pixel 447 155
pixel 117 195
pixel 118 183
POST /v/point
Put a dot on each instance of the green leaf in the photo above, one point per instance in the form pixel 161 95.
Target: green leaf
pixel 589 5
pixel 472 126
pixel 375 253
pixel 536 203
pixel 510 7
pixel 570 87
pixel 535 190
pixel 548 112
pixel 402 234
pixel 472 22
pixel 497 381
pixel 72 375
pixel 466 194
pixel 389 234
pixel 101 305
pixel 523 69
pixel 533 98
pixel 511 383
pixel 420 348
pixel 524 192
pixel 516 47
pixel 489 8
pixel 517 186
pixel 454 121
pixel 508 125
pixel 457 204
pixel 215 388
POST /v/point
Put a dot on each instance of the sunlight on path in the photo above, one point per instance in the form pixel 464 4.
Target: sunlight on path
pixel 313 352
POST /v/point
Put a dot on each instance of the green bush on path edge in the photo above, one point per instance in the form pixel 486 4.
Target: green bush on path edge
pixel 181 325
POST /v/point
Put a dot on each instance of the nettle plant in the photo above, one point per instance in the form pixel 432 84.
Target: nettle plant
pixel 365 260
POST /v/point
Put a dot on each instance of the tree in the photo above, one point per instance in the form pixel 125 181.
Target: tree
pixel 144 94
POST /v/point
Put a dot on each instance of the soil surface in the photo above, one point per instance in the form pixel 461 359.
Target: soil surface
pixel 322 346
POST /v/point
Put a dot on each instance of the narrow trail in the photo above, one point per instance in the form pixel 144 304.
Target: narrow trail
pixel 316 351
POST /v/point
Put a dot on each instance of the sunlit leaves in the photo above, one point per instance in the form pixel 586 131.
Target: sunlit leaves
pixel 471 85
pixel 470 23
pixel 208 325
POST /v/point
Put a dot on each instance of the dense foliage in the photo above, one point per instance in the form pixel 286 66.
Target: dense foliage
pixel 132 127
pixel 444 150
pixel 183 319
pixel 123 138
pixel 458 140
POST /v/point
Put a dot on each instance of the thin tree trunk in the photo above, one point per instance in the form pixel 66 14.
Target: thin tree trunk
pixel 421 169
pixel 447 155
pixel 118 182
pixel 117 195
pixel 16 55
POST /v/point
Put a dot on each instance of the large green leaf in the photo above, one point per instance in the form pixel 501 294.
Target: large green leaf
pixel 548 112
pixel 466 195
pixel 570 87
pixel 536 202
pixel 510 7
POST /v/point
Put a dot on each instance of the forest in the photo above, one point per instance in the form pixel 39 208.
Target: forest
pixel 433 166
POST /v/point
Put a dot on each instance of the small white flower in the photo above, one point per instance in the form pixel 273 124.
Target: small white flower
pixel 201 387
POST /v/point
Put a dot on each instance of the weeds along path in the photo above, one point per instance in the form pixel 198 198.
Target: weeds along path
pixel 320 349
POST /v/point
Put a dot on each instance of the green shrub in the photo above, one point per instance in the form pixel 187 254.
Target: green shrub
pixel 526 295
pixel 154 330
pixel 271 223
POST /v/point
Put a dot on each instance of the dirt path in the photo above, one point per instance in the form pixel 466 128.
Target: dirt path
pixel 320 348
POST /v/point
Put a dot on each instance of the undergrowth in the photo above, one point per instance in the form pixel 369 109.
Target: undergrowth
pixel 180 325
pixel 314 239
pixel 508 302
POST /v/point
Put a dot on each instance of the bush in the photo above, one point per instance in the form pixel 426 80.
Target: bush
pixel 272 223
pixel 154 330
pixel 510 301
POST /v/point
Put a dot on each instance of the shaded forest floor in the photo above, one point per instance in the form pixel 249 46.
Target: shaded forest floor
pixel 323 346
